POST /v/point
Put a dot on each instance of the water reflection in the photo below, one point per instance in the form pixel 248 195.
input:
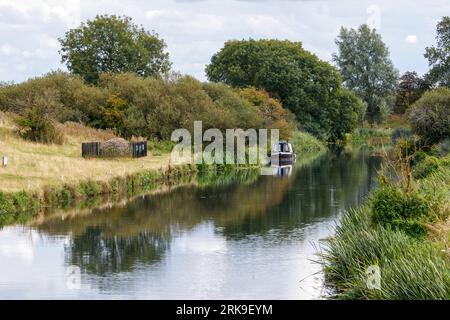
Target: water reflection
pixel 226 235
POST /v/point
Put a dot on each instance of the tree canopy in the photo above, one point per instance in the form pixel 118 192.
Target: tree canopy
pixel 363 60
pixel 439 56
pixel 430 115
pixel 304 84
pixel 113 44
pixel 410 88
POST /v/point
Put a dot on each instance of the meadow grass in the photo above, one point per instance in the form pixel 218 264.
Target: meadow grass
pixel 33 166
pixel 411 267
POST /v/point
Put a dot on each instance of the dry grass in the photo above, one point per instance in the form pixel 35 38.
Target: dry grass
pixel 32 166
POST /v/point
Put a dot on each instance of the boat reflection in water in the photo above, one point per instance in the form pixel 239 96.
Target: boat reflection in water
pixel 282 171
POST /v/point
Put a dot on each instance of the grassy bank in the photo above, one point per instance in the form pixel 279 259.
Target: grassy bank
pixel 406 234
pixel 306 144
pixel 33 166
pixel 44 176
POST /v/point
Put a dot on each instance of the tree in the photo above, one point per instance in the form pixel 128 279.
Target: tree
pixel 302 82
pixel 430 116
pixel 363 60
pixel 409 90
pixel 439 56
pixel 113 44
pixel 272 112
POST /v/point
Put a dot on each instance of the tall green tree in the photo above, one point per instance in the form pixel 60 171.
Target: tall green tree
pixel 303 83
pixel 410 89
pixel 439 55
pixel 113 44
pixel 363 60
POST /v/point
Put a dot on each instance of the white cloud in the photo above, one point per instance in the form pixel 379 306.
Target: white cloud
pixel 194 30
pixel 411 39
pixel 7 50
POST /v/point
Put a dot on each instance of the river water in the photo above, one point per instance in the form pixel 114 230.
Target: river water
pixel 253 237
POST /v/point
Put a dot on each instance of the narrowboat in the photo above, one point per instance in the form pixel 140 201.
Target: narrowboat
pixel 282 153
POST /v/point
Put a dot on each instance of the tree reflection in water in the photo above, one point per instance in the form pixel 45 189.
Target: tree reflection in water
pixel 122 238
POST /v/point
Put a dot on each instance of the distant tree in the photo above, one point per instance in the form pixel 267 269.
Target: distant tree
pixel 303 83
pixel 363 60
pixel 271 111
pixel 410 88
pixel 439 56
pixel 113 44
pixel 430 116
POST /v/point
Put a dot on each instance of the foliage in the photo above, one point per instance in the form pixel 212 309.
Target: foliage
pixel 69 98
pixel 34 125
pixel 113 44
pixel 426 167
pixel 410 89
pixel 430 116
pixel 439 56
pixel 304 143
pixel 392 208
pixel 347 112
pixel 112 114
pixel 401 133
pixel 305 85
pixel 410 269
pixel 146 107
pixel 272 112
pixel 363 60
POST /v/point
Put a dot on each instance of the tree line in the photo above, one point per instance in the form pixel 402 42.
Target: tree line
pixel 120 78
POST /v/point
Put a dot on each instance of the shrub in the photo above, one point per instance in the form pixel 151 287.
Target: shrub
pixel 410 269
pixel 35 126
pixel 425 167
pixel 390 207
pixel 430 115
pixel 400 133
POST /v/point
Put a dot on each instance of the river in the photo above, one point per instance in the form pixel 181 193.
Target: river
pixel 253 237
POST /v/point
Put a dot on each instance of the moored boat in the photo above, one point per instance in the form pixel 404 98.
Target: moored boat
pixel 282 153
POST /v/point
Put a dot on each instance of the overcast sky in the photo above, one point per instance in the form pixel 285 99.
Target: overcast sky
pixel 196 29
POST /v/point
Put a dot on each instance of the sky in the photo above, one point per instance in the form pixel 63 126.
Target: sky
pixel 195 29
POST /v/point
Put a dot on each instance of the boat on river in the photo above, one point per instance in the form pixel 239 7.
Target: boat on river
pixel 282 153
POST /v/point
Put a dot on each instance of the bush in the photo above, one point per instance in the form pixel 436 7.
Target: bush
pixel 430 116
pixel 409 269
pixel 400 133
pixel 35 126
pixel 304 143
pixel 390 207
pixel 425 167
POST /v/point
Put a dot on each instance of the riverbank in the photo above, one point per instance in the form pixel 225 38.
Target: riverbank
pixel 405 234
pixel 41 176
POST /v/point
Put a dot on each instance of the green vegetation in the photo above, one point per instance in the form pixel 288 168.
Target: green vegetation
pixel 430 116
pixel 20 206
pixel 410 268
pixel 403 229
pixel 410 89
pixel 363 60
pixel 113 44
pixel 146 107
pixel 439 56
pixel 305 85
pixel 304 143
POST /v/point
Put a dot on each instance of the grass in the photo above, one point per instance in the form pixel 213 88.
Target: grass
pixel 411 267
pixel 33 166
pixel 304 143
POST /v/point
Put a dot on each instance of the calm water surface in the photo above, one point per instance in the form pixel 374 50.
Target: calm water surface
pixel 249 239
